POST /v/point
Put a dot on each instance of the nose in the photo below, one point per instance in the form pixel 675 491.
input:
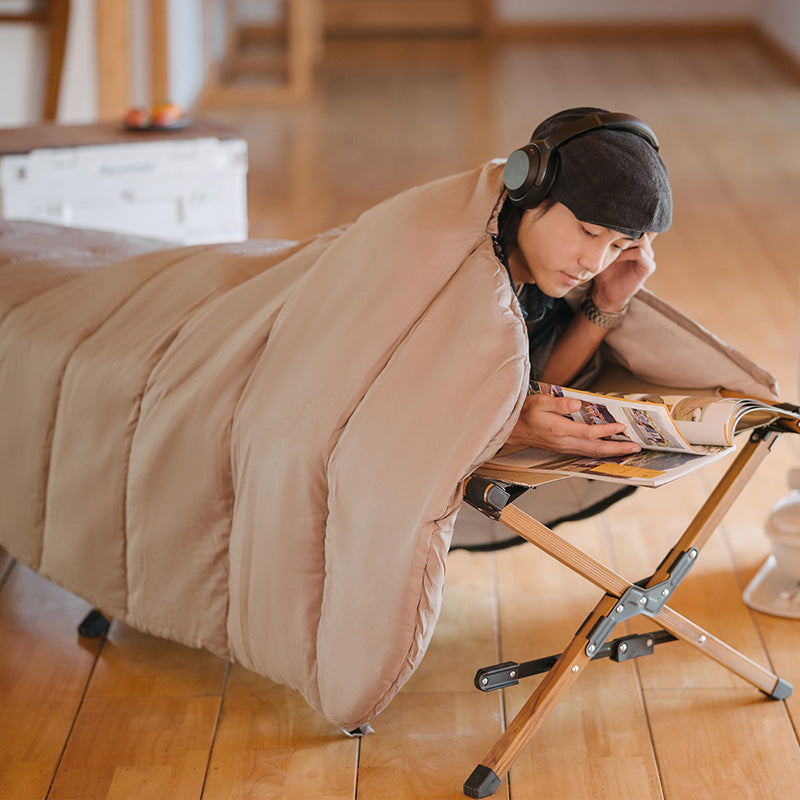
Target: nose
pixel 592 259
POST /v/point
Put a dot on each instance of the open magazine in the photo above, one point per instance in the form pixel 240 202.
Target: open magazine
pixel 677 433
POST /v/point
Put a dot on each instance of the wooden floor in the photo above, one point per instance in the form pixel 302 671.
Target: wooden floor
pixel 134 718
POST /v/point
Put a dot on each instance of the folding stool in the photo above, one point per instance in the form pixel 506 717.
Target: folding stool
pixel 492 491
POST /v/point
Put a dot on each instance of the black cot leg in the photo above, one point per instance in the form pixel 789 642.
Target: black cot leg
pixel 94 625
pixel 482 782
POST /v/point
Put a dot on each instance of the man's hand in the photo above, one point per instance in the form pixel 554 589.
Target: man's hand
pixel 619 282
pixel 543 423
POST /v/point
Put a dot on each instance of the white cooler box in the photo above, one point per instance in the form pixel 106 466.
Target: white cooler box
pixel 186 187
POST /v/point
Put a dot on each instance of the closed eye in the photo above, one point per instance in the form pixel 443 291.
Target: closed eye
pixel 618 245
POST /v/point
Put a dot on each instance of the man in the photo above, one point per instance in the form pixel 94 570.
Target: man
pixel 585 201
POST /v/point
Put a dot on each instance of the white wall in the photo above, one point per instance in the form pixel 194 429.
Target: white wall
pixel 20 89
pixel 186 70
pixel 78 100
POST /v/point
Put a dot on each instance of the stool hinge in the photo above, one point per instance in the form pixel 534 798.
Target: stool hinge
pixel 488 496
pixel 637 600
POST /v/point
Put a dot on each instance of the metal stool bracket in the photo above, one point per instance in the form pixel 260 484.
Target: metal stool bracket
pixel 638 600
pixel 509 673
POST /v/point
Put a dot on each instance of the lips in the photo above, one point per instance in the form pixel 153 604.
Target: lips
pixel 571 280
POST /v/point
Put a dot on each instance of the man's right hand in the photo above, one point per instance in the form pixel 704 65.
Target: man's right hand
pixel 545 423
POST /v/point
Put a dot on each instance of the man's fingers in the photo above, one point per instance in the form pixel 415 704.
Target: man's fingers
pixel 604 430
pixel 584 430
pixel 601 448
pixel 561 405
pixel 606 448
pixel 593 440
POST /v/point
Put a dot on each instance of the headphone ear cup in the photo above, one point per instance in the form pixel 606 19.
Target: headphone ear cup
pixel 526 176
pixel 520 172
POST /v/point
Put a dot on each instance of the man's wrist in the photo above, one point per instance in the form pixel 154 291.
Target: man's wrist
pixel 600 316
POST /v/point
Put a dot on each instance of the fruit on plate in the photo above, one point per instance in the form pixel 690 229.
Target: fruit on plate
pixel 162 115
pixel 137 118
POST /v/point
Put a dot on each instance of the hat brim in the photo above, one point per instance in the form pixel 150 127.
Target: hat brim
pixel 773 591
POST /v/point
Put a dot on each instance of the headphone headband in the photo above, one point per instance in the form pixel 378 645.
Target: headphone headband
pixel 531 170
pixel 608 119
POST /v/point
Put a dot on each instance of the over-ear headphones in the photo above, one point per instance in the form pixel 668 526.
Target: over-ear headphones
pixel 530 171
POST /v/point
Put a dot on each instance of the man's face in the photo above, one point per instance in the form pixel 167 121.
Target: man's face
pixel 557 251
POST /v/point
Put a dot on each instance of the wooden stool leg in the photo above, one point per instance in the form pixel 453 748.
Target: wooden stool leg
pixel 724 654
pixel 485 778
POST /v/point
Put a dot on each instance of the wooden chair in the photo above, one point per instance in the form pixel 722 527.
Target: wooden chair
pixel 53 15
pixel 285 73
pixel 493 491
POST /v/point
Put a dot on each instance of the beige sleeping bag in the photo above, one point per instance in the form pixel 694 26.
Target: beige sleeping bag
pixel 259 448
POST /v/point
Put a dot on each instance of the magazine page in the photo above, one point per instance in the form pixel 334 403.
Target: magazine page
pixel 712 420
pixel 700 420
pixel 645 468
pixel 647 423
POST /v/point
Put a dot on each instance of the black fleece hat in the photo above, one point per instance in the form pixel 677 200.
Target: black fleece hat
pixel 610 177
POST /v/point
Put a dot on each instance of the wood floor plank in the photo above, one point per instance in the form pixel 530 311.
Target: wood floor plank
pixel 130 747
pixel 271 744
pixel 782 640
pixel 146 726
pixel 425 745
pixel 722 743
pixel 44 671
pixel 135 664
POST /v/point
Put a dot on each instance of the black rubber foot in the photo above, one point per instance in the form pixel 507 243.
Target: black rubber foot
pixel 94 625
pixel 362 730
pixel 782 690
pixel 482 782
